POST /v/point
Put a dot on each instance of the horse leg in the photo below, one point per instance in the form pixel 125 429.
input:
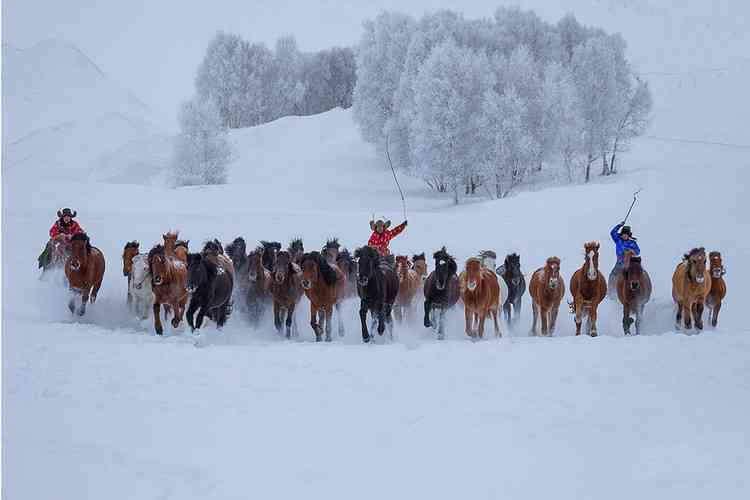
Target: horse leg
pixel 495 314
pixel 715 314
pixel 277 316
pixel 363 321
pixel 678 318
pixel 441 324
pixel 481 317
pixel 687 314
pixel 84 301
pixel 626 319
pixel 389 321
pixel 157 319
pixel 516 310
pixel 289 319
pixel 95 291
pixel 381 320
pixel 699 315
pixel 469 321
pixel 340 320
pixel 202 311
pixel 592 320
pixel 579 317
pixel 553 318
pixel 190 314
pixel 638 315
pixel 506 311
pixel 328 311
pixel 427 311
pixel 178 309
pixel 72 302
pixel 534 314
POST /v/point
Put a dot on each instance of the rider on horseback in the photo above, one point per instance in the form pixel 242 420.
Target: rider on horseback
pixel 382 236
pixel 61 232
pixel 622 235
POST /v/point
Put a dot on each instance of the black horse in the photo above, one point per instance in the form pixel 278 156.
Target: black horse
pixel 510 271
pixel 237 251
pixel 377 286
pixel 210 288
pixel 440 291
pixel 270 249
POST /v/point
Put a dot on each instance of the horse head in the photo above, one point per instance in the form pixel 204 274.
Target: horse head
pixel 419 264
pixel 716 265
pixel 488 258
pixel 200 271
pixel 345 263
pixel 140 273
pixel 473 273
pixel 402 266
pixel 696 265
pixel 368 261
pixel 283 266
pixel 80 247
pixel 445 268
pixel 512 266
pixel 157 262
pixel 255 264
pixel 128 253
pixel 552 272
pixel 296 249
pixel 633 274
pixel 237 251
pixel 591 264
pixel 270 248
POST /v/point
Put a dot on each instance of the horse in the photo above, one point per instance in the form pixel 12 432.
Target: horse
pixel 419 264
pixel 237 252
pixel 691 284
pixel 214 251
pixel 169 282
pixel 588 287
pixel 322 284
pixel 331 250
pixel 634 291
pixel 348 266
pixel 286 291
pixel 440 292
pixel 139 286
pixel 128 253
pixel 547 288
pixel 408 285
pixel 718 287
pixel 511 274
pixel 296 249
pixel 480 293
pixel 175 248
pixel 84 270
pixel 378 286
pixel 259 288
pixel 270 248
pixel 210 287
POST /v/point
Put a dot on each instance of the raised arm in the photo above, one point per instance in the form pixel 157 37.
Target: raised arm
pixel 615 233
pixel 397 230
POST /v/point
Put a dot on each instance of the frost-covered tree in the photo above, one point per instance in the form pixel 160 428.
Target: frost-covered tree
pixel 632 119
pixel 516 27
pixel 561 118
pixel 448 94
pixel 202 151
pixel 329 77
pixel 219 77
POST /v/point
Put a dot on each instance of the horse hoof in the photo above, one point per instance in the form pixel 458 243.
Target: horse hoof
pixel 318 338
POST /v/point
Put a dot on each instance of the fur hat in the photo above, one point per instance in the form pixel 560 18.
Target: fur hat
pixel 626 230
pixel 66 212
pixel 380 222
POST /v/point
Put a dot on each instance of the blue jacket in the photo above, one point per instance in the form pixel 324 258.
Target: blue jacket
pixel 622 245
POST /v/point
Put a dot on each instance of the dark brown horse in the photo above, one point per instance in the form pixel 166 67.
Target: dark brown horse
pixel 323 284
pixel 296 249
pixel 129 252
pixel 547 288
pixel 480 293
pixel 718 286
pixel 286 290
pixel 691 283
pixel 440 292
pixel 634 291
pixel 588 287
pixel 169 284
pixel 84 270
pixel 258 296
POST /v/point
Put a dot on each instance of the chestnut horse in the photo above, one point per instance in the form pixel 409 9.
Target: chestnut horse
pixel 84 270
pixel 286 290
pixel 408 284
pixel 634 291
pixel 323 284
pixel 718 286
pixel 547 288
pixel 131 250
pixel 169 283
pixel 588 287
pixel 259 289
pixel 419 264
pixel 480 292
pixel 175 248
pixel 691 284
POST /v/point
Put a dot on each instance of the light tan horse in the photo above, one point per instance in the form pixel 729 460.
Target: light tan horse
pixel 408 285
pixel 480 292
pixel 691 284
pixel 588 287
pixel 547 288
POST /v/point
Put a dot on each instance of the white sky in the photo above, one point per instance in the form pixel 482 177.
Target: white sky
pixel 153 48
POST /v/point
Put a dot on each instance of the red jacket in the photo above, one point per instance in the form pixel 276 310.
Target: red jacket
pixel 57 228
pixel 380 240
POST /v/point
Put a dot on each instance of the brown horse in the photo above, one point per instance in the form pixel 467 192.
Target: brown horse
pixel 419 264
pixel 169 284
pixel 634 291
pixel 131 250
pixel 84 270
pixel 349 267
pixel 718 286
pixel 331 250
pixel 588 287
pixel 175 248
pixel 480 292
pixel 323 284
pixel 691 283
pixel 408 285
pixel 547 288
pixel 259 289
pixel 286 290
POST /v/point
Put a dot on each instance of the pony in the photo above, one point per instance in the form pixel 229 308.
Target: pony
pixel 511 274
pixel 480 293
pixel 322 284
pixel 408 285
pixel 691 284
pixel 547 288
pixel 169 282
pixel 441 292
pixel 139 286
pixel 270 248
pixel 588 287
pixel 634 291
pixel 331 250
pixel 210 287
pixel 259 289
pixel 128 253
pixel 84 270
pixel 718 287
pixel 378 286
pixel 175 248
pixel 348 266
pixel 286 291
pixel 296 249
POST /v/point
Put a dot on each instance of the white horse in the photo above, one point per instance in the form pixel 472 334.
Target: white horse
pixel 140 287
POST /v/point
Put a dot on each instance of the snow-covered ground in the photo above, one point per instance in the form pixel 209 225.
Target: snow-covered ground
pixel 102 408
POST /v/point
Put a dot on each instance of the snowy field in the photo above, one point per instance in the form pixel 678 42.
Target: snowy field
pixel 99 407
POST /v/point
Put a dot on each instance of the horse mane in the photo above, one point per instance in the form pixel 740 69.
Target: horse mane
pixel 511 257
pixel 553 260
pixel 332 243
pixel 270 244
pixel 418 256
pixel 326 271
pixel 156 250
pixel 211 268
pixel 443 254
pixel 82 237
pixel 488 253
pixel 213 247
pixel 132 244
pixel 694 251
pixel 296 246
pixel 181 243
pixel 345 256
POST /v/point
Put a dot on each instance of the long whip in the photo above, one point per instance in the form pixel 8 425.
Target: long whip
pixel 393 171
pixel 635 198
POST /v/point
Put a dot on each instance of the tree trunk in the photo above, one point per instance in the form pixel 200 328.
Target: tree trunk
pixel 588 167
pixel 605 167
pixel 455 194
